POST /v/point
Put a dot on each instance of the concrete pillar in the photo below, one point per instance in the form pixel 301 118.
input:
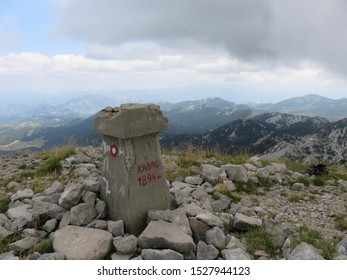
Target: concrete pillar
pixel 133 176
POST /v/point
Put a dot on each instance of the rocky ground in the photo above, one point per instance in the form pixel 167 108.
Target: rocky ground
pixel 233 211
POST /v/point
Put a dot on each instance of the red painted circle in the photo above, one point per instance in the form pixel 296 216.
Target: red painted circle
pixel 114 150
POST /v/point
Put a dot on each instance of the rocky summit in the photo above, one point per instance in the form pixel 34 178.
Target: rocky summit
pixel 227 211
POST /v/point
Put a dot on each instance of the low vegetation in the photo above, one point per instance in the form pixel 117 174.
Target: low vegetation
pixel 4 201
pixel 260 239
pixel 341 221
pixel 53 158
pixel 42 170
pixel 317 239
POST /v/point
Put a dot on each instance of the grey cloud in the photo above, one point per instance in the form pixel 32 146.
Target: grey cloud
pixel 263 30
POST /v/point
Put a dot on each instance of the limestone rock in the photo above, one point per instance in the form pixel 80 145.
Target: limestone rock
pixel 210 219
pixel 71 196
pixel 20 195
pixel 99 224
pixel 220 204
pixel 125 245
pixel 82 214
pixel 51 256
pixel 55 188
pixel 216 237
pixel 206 252
pixel 4 232
pixel 236 173
pixel 92 184
pixel 120 257
pixel 8 256
pixel 194 180
pixel 243 222
pixel 166 254
pixel 342 246
pixel 192 209
pixel 305 251
pixel 4 221
pixel 235 243
pixel 20 216
pixel 176 197
pixel 199 229
pixel 235 254
pixel 176 216
pixel 116 227
pixel 54 211
pixel 80 243
pixel 164 235
pixel 101 208
pixel 50 225
pixel 210 173
pixel 23 244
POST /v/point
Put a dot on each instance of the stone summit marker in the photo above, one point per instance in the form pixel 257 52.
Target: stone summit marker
pixel 133 180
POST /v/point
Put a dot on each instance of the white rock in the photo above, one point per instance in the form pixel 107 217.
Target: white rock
pixel 80 243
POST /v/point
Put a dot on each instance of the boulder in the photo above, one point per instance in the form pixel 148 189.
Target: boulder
pixel 164 235
pixel 235 254
pixel 236 173
pixel 23 244
pixel 342 246
pixel 71 196
pixel 82 214
pixel 194 180
pixel 116 227
pixel 20 195
pixel 206 252
pixel 199 229
pixel 210 173
pixel 216 237
pixel 166 254
pixel 305 251
pixel 126 245
pixel 243 222
pixel 81 243
pixel 54 211
pixel 210 219
pixel 55 188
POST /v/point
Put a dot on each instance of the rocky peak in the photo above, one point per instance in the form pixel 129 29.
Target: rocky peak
pixel 214 213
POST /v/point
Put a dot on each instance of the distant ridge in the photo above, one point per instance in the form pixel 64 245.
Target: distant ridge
pixel 310 105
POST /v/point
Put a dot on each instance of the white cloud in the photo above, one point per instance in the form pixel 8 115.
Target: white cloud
pixel 66 72
pixel 279 32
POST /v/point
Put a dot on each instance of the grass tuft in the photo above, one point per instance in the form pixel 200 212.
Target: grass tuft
pixel 53 158
pixel 316 239
pixel 260 239
pixel 4 202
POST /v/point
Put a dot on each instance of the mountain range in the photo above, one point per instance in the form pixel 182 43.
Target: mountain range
pixel 274 135
pixel 310 127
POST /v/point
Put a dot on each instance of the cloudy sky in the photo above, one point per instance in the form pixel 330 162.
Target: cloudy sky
pixel 275 48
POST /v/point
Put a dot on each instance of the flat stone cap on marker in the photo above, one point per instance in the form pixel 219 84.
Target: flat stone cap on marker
pixel 130 120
